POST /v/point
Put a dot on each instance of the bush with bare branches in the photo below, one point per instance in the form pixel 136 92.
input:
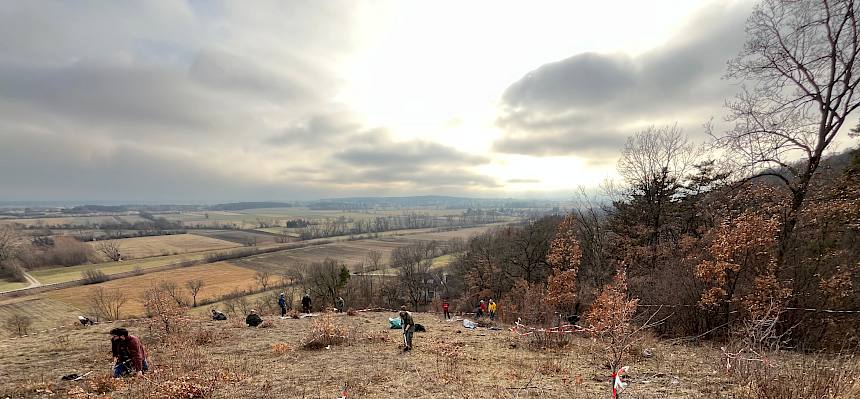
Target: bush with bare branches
pixel 107 304
pixel 327 331
pixel 18 324
pixel 110 249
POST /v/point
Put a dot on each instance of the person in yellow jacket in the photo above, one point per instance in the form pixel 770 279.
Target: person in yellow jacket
pixel 492 309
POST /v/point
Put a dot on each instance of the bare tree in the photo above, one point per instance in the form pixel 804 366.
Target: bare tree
pixel 654 164
pixel 413 271
pixel 194 287
pixel 173 291
pixel 19 323
pixel 109 249
pixel 374 260
pixel 263 278
pixel 656 154
pixel 799 72
pixel 107 304
pixel 10 247
pixel 10 243
pixel 326 279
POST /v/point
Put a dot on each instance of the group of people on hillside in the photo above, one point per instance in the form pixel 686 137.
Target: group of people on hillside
pixel 129 353
pixel 486 308
pixel 253 318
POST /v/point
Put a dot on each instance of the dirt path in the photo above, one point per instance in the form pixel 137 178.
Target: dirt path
pixel 32 280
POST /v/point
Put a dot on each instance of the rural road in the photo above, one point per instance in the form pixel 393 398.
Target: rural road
pixel 32 280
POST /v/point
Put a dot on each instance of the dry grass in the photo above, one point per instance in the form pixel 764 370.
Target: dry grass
pixel 228 360
pixel 219 278
pixel 448 362
pixel 143 247
pixel 45 312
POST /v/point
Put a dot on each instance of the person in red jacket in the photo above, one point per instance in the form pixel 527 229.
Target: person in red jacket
pixel 445 307
pixel 128 353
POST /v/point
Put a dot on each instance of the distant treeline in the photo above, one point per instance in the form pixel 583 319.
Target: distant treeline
pixel 238 206
pixel 347 226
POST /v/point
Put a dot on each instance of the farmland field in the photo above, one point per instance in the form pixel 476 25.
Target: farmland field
pixel 249 219
pixel 142 247
pixel 237 236
pixel 45 312
pixel 350 253
pixel 73 220
pixel 447 235
pixel 219 278
pixel 63 274
pixel 6 285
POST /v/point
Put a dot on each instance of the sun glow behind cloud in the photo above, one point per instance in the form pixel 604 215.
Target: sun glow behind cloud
pixel 294 100
pixel 437 73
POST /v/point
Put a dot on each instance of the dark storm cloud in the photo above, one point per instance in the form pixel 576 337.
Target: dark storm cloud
pixel 587 104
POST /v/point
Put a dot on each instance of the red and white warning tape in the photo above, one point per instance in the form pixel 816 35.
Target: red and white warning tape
pixel 617 384
pixel 522 329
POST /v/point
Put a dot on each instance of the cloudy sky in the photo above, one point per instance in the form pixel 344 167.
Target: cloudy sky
pixel 219 101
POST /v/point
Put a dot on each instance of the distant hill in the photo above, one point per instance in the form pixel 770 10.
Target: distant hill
pixel 238 206
pixel 425 201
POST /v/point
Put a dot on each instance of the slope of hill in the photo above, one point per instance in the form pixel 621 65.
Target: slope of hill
pixel 229 360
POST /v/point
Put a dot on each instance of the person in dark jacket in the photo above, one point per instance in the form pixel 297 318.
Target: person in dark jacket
pixel 339 304
pixel 218 316
pixel 253 319
pixel 128 353
pixel 282 302
pixel 306 303
pixel 408 324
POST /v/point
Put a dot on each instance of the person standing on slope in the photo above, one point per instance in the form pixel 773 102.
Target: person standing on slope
pixel 492 309
pixel 282 302
pixel 408 324
pixel 339 304
pixel 445 307
pixel 306 303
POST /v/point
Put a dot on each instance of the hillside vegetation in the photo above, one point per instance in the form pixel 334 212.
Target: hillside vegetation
pixel 229 360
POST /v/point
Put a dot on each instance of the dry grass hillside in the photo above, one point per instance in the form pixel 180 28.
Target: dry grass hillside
pixel 229 360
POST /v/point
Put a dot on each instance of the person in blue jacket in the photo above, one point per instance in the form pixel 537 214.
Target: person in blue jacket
pixel 282 302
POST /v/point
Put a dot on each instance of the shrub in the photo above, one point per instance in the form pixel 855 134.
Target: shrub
pixel 281 348
pixel 545 340
pixel 93 276
pixel 820 378
pixel 325 332
pixel 167 317
pixel 104 384
pixel 234 254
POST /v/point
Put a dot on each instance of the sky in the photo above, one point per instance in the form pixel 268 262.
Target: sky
pixel 211 101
